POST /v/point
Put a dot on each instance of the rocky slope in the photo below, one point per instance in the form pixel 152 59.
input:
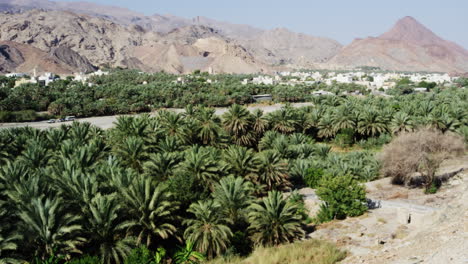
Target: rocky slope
pixel 408 46
pixel 113 36
pixel 284 47
pixel 272 47
pixel 17 57
pixel 80 39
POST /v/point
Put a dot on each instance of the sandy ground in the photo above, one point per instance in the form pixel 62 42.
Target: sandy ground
pixel 410 227
pixel 106 122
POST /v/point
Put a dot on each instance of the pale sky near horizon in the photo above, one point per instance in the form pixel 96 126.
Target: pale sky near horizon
pixel 342 20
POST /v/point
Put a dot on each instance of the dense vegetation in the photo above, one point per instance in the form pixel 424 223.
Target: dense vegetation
pixel 194 185
pixel 131 92
pixel 159 181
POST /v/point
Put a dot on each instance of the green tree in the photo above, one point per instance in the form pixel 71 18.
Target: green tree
pixel 342 196
pixel 152 209
pixel 207 230
pixel 274 221
pixel 50 229
pixel 234 196
pixel 107 230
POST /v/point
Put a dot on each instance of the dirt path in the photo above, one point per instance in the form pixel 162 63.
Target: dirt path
pixel 106 122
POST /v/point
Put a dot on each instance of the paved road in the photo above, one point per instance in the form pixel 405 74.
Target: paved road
pixel 106 122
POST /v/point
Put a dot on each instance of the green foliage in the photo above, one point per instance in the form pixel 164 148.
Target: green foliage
pixel 432 189
pixel 342 196
pixel 313 177
pixel 154 180
pixel 142 255
pixel 274 220
pixel 187 255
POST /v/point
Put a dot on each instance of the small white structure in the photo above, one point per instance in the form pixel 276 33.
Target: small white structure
pixel 47 78
pixel 99 73
pixel 420 89
pixel 263 80
pixel 15 75
pixel 322 92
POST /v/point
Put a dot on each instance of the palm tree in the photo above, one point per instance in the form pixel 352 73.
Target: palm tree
pixel 343 118
pixel 132 151
pixel 273 171
pixel 371 123
pixel 260 123
pixel 107 230
pixel 74 184
pixel 209 128
pixel 326 126
pixel 152 209
pixel 283 120
pixel 273 221
pixel 199 163
pixel 234 196
pixel 238 122
pixel 207 230
pixel 8 240
pixel 127 126
pixel 50 229
pixel 161 165
pixel 173 124
pixel 36 155
pixel 402 122
pixel 242 162
pixel 268 139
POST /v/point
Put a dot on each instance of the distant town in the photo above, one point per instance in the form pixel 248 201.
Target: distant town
pixel 376 82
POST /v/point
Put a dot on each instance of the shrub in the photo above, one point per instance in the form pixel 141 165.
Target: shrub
pixel 342 196
pixel 345 138
pixel 143 255
pixel 313 177
pixel 419 152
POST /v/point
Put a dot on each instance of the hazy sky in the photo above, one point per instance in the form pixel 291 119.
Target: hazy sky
pixel 342 20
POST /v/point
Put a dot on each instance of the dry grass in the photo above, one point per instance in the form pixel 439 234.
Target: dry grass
pixel 302 252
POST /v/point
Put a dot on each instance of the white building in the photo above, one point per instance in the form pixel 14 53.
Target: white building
pixel 267 80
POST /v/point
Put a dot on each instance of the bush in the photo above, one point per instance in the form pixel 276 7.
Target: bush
pixel 342 196
pixel 419 152
pixel 345 138
pixel 313 177
pixel 143 255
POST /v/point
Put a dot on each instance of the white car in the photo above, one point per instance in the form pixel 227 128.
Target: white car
pixel 70 118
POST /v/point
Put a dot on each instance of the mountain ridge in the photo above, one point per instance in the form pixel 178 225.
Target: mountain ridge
pixel 119 37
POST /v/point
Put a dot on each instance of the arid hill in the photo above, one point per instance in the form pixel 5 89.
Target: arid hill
pixel 114 36
pixel 103 42
pixel 273 47
pixel 407 46
pixel 17 57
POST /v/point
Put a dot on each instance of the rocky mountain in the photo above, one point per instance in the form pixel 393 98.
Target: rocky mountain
pixel 114 36
pixel 80 39
pixel 17 57
pixel 408 46
pixel 283 47
pixel 273 47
